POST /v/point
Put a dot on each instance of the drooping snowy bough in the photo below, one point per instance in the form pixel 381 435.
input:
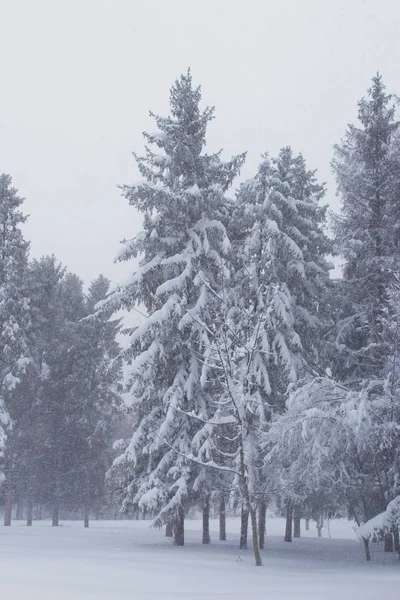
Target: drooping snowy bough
pixel 387 522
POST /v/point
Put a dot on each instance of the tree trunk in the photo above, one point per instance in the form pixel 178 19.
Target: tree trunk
pixel 87 503
pixel 179 532
pixel 56 497
pixel 244 523
pixel 366 548
pixel 19 511
pixel 29 512
pixel 296 523
pixel 289 521
pixel 168 529
pixel 222 519
pixel 388 542
pixel 55 514
pixel 261 523
pixel 8 493
pixel 320 524
pixel 86 516
pixel 396 540
pixel 7 509
pixel 254 530
pixel 307 524
pixel 206 521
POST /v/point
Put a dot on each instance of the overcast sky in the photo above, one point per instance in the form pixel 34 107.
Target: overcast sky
pixel 78 78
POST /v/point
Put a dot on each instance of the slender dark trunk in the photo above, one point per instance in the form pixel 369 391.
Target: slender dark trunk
pixel 244 524
pixel 168 529
pixel 222 518
pixel 179 530
pixel 307 524
pixel 7 508
pixel 8 493
pixel 296 523
pixel 86 516
pixel 56 497
pixel 19 511
pixel 55 514
pixel 388 545
pixel 366 548
pixel 261 523
pixel 396 540
pixel 29 511
pixel 87 502
pixel 206 521
pixel 254 531
pixel 289 521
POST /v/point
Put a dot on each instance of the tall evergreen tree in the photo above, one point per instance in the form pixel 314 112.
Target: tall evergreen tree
pixel 68 397
pixel 61 401
pixel 367 232
pixel 270 335
pixel 46 299
pixel 97 382
pixel 281 272
pixel 14 321
pixel 182 249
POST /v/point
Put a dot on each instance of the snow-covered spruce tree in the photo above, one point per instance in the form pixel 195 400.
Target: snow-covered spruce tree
pixel 271 304
pixel 83 398
pixel 281 286
pixel 57 305
pixel 367 232
pixel 59 398
pixel 14 323
pixel 68 395
pixel 181 247
pixel 281 272
pixel 35 460
pixel 311 291
pixel 98 377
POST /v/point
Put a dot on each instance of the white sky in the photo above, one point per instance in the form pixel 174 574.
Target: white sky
pixel 79 76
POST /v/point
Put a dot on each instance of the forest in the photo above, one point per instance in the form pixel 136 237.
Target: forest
pixel 253 379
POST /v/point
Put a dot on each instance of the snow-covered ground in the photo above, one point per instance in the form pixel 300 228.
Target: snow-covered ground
pixel 126 559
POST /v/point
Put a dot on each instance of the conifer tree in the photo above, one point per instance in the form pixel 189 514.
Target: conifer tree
pixel 272 308
pixel 367 232
pixel 182 249
pixel 281 273
pixel 14 323
pixel 60 398
pixel 45 290
pixel 98 376
pixel 68 397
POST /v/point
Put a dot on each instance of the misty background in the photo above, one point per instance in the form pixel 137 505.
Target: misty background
pixel 79 77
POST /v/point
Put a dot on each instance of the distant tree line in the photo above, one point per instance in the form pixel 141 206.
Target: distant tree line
pixel 255 379
pixel 60 376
